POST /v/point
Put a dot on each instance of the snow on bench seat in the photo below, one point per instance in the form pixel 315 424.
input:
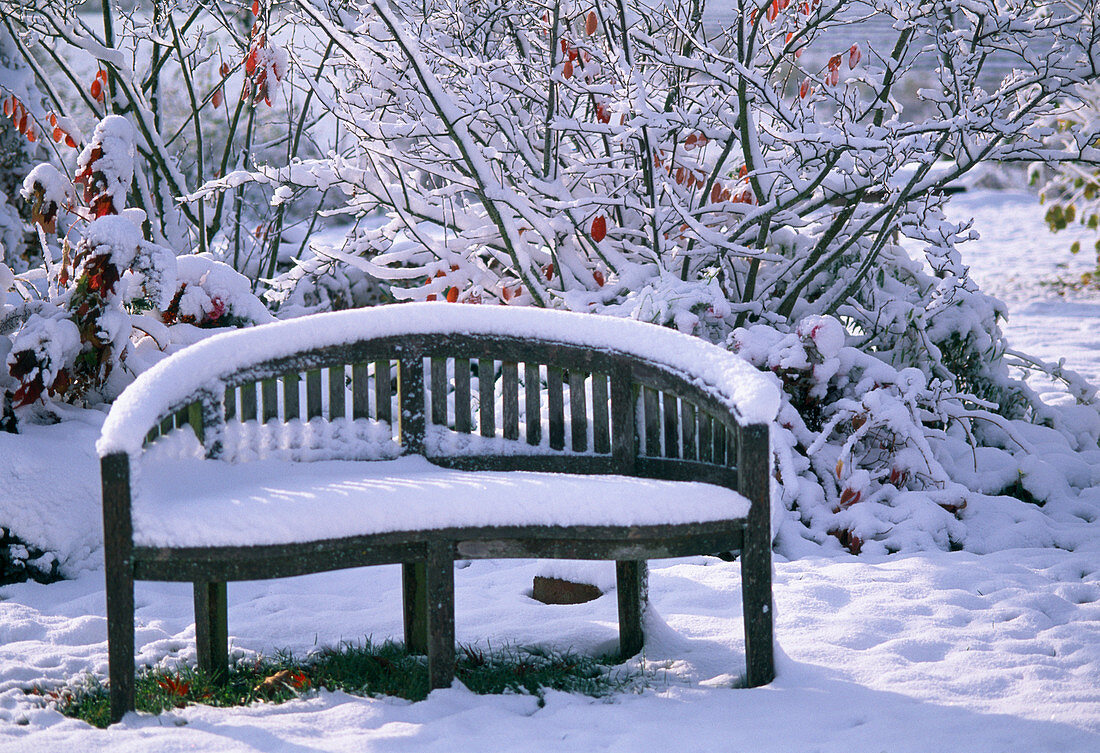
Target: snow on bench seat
pixel 192 503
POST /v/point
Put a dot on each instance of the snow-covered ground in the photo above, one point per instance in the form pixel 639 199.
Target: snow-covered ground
pixel 934 651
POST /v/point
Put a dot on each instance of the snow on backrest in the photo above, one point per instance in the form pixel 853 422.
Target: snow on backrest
pixel 751 395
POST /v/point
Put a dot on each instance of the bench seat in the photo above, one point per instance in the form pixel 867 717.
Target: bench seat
pixel 202 503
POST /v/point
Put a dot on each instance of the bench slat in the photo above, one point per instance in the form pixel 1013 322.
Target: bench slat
pixel 672 425
pixel 624 404
pixel 383 392
pixel 652 421
pixel 462 395
pixel 360 391
pixel 706 445
pixel 230 403
pixel 337 393
pixel 532 403
pixel 555 396
pixel 718 432
pixel 486 383
pixel 410 385
pixel 509 387
pixel 248 401
pixel 313 394
pixel 439 391
pixel 601 436
pixel 269 391
pixel 292 402
pixel 578 415
pixel 687 430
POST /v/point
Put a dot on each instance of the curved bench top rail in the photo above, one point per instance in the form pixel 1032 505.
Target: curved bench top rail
pixel 201 371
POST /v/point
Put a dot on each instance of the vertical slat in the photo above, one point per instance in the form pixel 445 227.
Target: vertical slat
pixel 292 402
pixel 623 431
pixel 706 447
pixel 441 614
pixel 462 395
pixel 651 417
pixel 486 384
pixel 754 483
pixel 360 391
pixel 687 430
pixel 230 403
pixel 601 436
pixel 248 401
pixel 383 392
pixel 117 553
pixel 337 393
pixel 410 385
pixel 269 394
pixel 672 425
pixel 313 394
pixel 718 433
pixel 212 409
pixel 439 391
pixel 212 629
pixel 414 597
pixel 532 389
pixel 194 419
pixel 555 399
pixel 509 388
pixel 578 412
pixel 630 586
pixel 166 425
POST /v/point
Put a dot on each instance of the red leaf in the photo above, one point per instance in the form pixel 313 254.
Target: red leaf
pixel 96 89
pixel 773 11
pixel 804 88
pixel 853 56
pixel 834 62
pixel 599 228
pixel 591 23
pixel 255 7
pixel 548 272
pixel 716 193
pixel 216 99
pixel 567 69
pixel 452 294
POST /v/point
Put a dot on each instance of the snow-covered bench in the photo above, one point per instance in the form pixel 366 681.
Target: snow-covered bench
pixel 495 432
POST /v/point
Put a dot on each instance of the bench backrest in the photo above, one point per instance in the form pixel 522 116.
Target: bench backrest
pixel 490 388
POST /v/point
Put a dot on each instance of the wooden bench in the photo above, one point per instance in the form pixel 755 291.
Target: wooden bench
pixel 671 430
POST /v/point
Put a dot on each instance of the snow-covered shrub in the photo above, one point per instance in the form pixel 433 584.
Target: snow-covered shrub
pixel 212 294
pixel 207 88
pixel 1072 186
pixel 71 343
pixel 19 143
pixel 758 188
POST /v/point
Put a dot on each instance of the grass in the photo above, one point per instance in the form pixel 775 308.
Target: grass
pixel 363 669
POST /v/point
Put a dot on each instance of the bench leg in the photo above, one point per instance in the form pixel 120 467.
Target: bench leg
pixel 212 629
pixel 754 477
pixel 756 598
pixel 440 588
pixel 120 638
pixel 414 599
pixel 631 587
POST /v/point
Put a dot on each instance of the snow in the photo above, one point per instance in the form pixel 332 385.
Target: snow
pixel 273 502
pixel 752 395
pixel 955 651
